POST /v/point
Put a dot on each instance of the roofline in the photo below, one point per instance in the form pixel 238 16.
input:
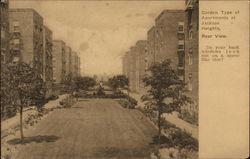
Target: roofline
pixel 151 29
pixel 169 11
pixel 24 10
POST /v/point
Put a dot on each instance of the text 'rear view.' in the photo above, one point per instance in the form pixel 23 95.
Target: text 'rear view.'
pixel 99 79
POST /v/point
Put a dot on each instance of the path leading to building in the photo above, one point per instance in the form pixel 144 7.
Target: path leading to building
pixel 91 129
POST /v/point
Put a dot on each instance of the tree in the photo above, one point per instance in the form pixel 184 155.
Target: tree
pixel 26 86
pixel 84 83
pixel 166 91
pixel 67 83
pixel 118 81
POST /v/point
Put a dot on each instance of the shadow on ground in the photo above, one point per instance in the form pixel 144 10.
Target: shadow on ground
pixel 37 139
pixel 78 107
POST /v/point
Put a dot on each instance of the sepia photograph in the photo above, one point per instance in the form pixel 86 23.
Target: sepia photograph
pixel 99 79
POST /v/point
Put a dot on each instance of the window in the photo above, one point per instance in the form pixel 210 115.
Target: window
pixel 190 34
pixel 180 26
pixel 190 56
pixel 2 57
pixel 180 46
pixel 181 60
pixel 16 29
pixel 157 34
pixel 180 36
pixel 16 26
pixel 15 23
pixel 190 86
pixel 2 33
pixel 16 41
pixel 15 60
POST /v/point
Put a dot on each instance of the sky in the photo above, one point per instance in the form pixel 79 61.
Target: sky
pixel 99 31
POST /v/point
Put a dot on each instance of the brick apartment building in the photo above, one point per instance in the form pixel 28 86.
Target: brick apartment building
pixel 191 49
pixel 47 60
pixel 151 45
pixel 169 44
pixel 24 38
pixel 174 37
pixel 141 64
pixel 73 63
pixel 4 23
pixel 78 64
pixel 125 68
pixel 59 61
pixel 26 26
pixel 68 59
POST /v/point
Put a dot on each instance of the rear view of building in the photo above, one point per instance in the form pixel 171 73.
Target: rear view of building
pixel 4 23
pixel 68 59
pixel 169 43
pixel 59 61
pixel 191 50
pixel 26 42
pixel 141 64
pixel 47 60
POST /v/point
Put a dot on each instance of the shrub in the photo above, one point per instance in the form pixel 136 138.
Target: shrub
pixel 100 92
pixel 191 118
pixel 179 138
pixel 126 104
pixel 67 102
pixel 53 97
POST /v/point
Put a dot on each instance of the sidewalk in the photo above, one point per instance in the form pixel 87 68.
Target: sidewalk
pixel 172 118
pixel 9 125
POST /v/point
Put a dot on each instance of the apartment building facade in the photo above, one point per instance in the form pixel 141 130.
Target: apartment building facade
pixel 174 37
pixel 125 65
pixel 78 65
pixel 169 43
pixel 4 23
pixel 26 42
pixel 59 61
pixel 151 58
pixel 47 60
pixel 73 63
pixel 192 50
pixel 142 64
pixel 133 73
pixel 68 59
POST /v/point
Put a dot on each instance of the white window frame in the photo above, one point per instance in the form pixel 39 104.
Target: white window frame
pixel 190 34
pixel 3 56
pixel 190 56
pixel 16 41
pixel 190 85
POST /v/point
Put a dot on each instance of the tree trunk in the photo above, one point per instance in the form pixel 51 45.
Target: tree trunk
pixel 21 121
pixel 159 126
